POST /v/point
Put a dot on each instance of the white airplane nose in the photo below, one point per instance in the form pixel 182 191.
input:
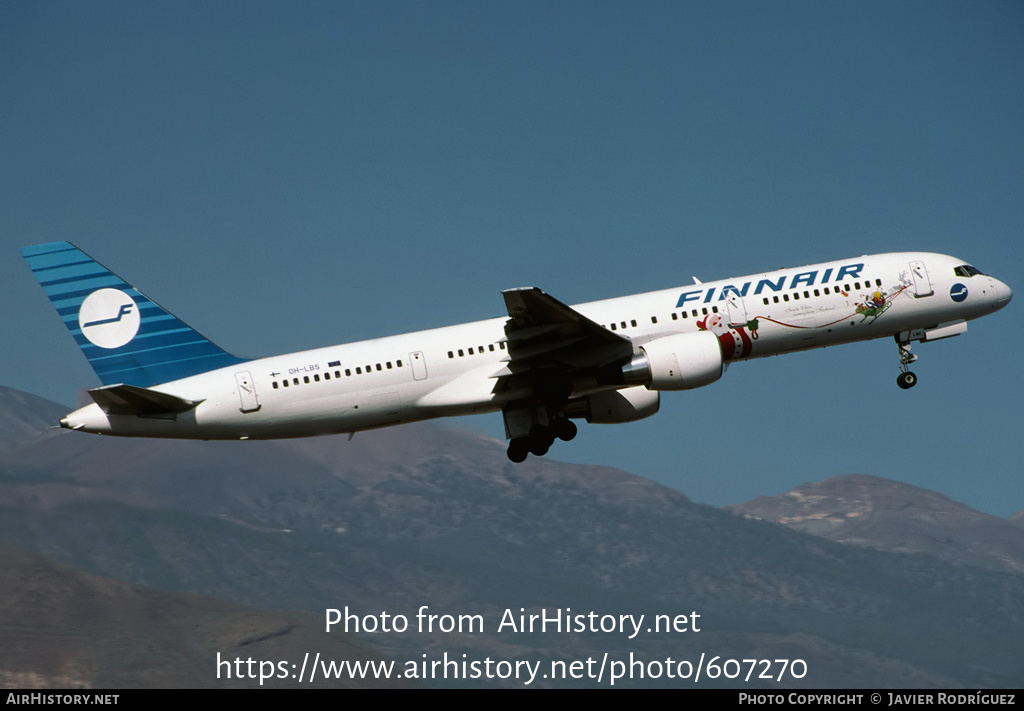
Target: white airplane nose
pixel 1003 294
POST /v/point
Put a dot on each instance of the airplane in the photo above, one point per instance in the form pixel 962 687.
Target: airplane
pixel 542 365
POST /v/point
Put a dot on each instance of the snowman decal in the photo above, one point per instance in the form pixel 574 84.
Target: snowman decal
pixel 733 338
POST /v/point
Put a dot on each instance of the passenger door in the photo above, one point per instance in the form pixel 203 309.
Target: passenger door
pixel 419 365
pixel 248 399
pixel 922 282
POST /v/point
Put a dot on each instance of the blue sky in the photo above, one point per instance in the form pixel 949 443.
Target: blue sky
pixel 286 176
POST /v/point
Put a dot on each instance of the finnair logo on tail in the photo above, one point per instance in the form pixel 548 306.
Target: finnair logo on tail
pixel 109 318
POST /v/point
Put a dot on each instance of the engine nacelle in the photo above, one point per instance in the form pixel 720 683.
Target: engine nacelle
pixel 614 406
pixel 680 362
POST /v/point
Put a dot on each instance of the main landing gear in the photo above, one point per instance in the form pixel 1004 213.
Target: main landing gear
pixel 540 438
pixel 905 379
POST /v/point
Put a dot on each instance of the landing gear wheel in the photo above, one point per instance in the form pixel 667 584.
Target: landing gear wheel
pixel 539 449
pixel 541 439
pixel 906 380
pixel 518 449
pixel 565 429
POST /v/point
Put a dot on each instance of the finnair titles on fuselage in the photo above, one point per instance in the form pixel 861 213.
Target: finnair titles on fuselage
pixel 542 365
pixel 774 284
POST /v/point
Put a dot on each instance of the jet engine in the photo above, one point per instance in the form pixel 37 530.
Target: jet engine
pixel 680 362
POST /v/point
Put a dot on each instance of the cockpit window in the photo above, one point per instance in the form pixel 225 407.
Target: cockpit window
pixel 966 270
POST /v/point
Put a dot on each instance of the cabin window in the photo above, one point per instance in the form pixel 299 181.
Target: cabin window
pixel 275 385
pixel 654 319
pixel 674 317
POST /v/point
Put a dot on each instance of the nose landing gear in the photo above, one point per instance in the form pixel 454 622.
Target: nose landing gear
pixel 905 379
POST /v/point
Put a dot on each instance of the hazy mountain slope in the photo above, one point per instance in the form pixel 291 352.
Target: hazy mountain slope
pixel 23 416
pixel 65 629
pixel 417 515
pixel 889 515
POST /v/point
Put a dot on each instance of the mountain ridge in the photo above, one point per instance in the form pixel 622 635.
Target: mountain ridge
pixel 412 516
pixel 871 511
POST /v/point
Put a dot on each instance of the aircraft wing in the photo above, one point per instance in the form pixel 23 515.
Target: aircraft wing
pixel 549 340
pixel 133 400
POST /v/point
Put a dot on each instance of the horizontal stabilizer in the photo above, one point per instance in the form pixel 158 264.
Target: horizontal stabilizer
pixel 132 400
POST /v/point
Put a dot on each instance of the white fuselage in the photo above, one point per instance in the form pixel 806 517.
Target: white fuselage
pixel 454 370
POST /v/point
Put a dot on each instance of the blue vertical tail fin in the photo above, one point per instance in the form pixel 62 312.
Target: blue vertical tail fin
pixel 126 337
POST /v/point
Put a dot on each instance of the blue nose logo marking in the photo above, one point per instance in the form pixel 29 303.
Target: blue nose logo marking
pixel 958 292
